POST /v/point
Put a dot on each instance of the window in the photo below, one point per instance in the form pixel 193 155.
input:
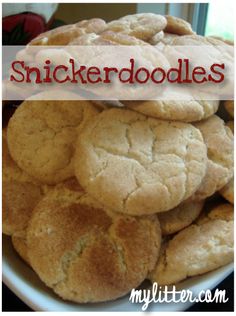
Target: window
pixel 220 19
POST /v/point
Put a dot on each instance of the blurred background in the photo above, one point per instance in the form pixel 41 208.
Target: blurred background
pixel 24 21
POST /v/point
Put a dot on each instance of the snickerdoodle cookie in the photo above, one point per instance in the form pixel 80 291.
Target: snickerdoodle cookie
pixel 228 190
pixel 42 135
pixel 229 106
pixel 86 254
pixel 175 110
pixel 20 193
pixel 219 141
pixel 197 249
pixel 138 165
pixel 178 26
pixel 63 35
pixel 180 217
pixel 20 245
pixel 143 25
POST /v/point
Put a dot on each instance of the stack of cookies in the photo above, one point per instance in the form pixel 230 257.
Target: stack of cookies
pixel 97 199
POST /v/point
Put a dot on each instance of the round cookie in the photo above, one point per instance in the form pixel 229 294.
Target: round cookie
pixel 175 110
pixel 63 35
pixel 138 165
pixel 229 106
pixel 143 25
pixel 220 165
pixel 86 254
pixel 180 217
pixel 42 135
pixel 178 26
pixel 196 249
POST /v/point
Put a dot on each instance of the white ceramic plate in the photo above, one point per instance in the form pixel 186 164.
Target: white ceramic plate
pixel 28 287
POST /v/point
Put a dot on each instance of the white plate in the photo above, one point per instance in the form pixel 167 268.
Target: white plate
pixel 28 287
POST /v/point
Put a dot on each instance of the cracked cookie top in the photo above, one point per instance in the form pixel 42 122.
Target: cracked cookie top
pixel 42 135
pixel 63 35
pixel 220 151
pixel 87 254
pixel 197 249
pixel 139 165
pixel 175 110
pixel 143 25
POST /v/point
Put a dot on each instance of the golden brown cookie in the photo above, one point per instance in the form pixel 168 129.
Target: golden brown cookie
pixel 219 140
pixel 175 110
pixel 228 191
pixel 178 26
pixel 42 136
pixel 223 211
pixel 196 249
pixel 20 245
pixel 143 25
pixel 138 165
pixel 18 201
pixel 10 170
pixel 180 217
pixel 87 254
pixel 20 193
pixel 229 106
pixel 63 35
pixel 108 38
pixel 230 124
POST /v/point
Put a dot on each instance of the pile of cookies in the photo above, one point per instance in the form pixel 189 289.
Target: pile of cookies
pixel 98 198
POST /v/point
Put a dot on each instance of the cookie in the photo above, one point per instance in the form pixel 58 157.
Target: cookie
pixel 178 26
pixel 87 254
pixel 219 140
pixel 196 249
pixel 228 191
pixel 42 136
pixel 20 246
pixel 63 35
pixel 229 106
pixel 223 211
pixel 18 201
pixel 195 40
pixel 20 193
pixel 157 38
pixel 138 165
pixel 108 38
pixel 10 170
pixel 143 25
pixel 179 110
pixel 180 217
pixel 168 38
